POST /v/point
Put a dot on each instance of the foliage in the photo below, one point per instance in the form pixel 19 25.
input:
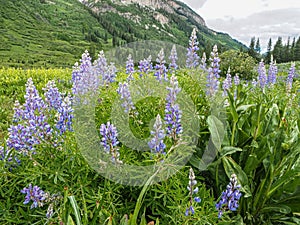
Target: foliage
pixel 239 63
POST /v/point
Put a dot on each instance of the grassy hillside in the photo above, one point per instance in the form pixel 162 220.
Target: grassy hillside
pixel 42 33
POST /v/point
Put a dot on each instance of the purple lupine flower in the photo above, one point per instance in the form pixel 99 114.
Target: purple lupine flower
pixel 109 141
pixel 172 110
pixel 33 127
pixel 110 74
pixel 272 72
pixel 129 68
pixel 230 197
pixel 34 194
pixel 262 77
pixel 192 190
pixel 215 62
pixel 65 115
pixel 203 62
pixel 227 83
pixel 145 66
pixel 52 95
pixel 85 64
pixel 213 73
pixel 156 144
pixel 123 91
pixel 87 78
pixel 161 70
pixel 290 77
pixel 173 58
pixel 236 80
pixel 192 60
pixel 100 64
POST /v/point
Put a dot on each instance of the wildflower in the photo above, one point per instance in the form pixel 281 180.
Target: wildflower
pixel 109 141
pixel 156 144
pixel 52 95
pixel 123 91
pixel 65 115
pixel 173 58
pixel 290 77
pixel 129 68
pixel 215 60
pixel 145 66
pixel 161 70
pixel 173 112
pixel 203 62
pixel 230 197
pixel 272 72
pixel 213 73
pixel 192 60
pixel 236 80
pixel 34 194
pixel 227 83
pixel 262 78
pixel 192 190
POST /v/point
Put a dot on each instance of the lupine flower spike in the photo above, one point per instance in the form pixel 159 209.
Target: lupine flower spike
pixel 262 77
pixel 173 112
pixel 129 68
pixel 156 144
pixel 192 190
pixel 192 60
pixel 227 83
pixel 161 70
pixel 272 73
pixel 123 91
pixel 173 58
pixel 109 141
pixel 203 62
pixel 213 73
pixel 290 77
pixel 230 197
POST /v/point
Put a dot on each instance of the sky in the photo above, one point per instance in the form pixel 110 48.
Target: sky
pixel 243 19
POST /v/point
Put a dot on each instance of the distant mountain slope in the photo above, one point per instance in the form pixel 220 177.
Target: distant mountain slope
pixel 54 33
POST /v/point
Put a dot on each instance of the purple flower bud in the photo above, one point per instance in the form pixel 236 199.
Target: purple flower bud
pixel 192 60
pixel 156 144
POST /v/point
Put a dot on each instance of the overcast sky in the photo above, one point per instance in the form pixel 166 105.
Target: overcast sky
pixel 243 19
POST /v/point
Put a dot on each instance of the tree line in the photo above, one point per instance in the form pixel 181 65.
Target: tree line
pixel 281 52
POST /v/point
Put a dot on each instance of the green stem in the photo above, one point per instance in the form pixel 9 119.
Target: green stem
pixel 140 199
pixel 233 134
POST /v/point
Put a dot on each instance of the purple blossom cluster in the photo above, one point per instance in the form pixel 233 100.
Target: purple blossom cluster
pixel 192 190
pixel 145 66
pixel 65 115
pixel 227 83
pixel 130 68
pixel 213 73
pixel 39 198
pixel 32 126
pixel 192 60
pixel 272 73
pixel 34 194
pixel 173 59
pixel 262 77
pixel 123 91
pixel 172 110
pixel 203 62
pixel 230 197
pixel 103 71
pixel 156 144
pixel 161 69
pixel 236 80
pixel 109 141
pixel 290 77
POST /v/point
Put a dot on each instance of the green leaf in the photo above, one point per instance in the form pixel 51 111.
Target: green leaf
pixel 217 130
pixel 228 150
pixel 251 163
pixel 75 209
pixel 280 208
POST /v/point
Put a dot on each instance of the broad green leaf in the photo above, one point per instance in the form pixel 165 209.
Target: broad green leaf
pixel 228 150
pixel 217 130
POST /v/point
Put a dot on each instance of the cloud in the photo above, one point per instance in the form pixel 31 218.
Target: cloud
pixel 262 25
pixel 194 4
